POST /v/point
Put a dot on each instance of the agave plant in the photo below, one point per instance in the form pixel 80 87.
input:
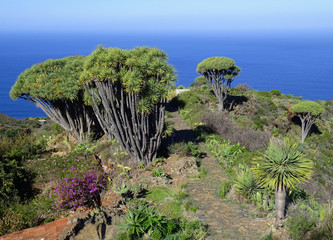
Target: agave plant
pixel 282 166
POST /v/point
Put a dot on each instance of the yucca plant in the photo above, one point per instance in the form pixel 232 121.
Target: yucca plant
pixel 282 166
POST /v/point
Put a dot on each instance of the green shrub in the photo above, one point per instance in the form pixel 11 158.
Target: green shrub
pixel 56 129
pixel 136 188
pixel 223 149
pixel 26 215
pixel 11 133
pixel 325 229
pixel 263 94
pixel 193 114
pixel 21 147
pixel 275 92
pixel 186 149
pixel 192 104
pixel 85 149
pixel 10 221
pixel 15 179
pixel 299 222
pixel 168 128
pixel 198 82
pixel 192 230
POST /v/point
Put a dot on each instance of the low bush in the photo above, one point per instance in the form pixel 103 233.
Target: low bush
pixel 299 222
pixel 221 124
pixel 83 189
pixel 198 82
pixel 56 129
pixel 325 229
pixel 15 179
pixel 21 147
pixel 10 222
pixel 186 149
pixel 223 149
pixel 275 92
pixel 19 216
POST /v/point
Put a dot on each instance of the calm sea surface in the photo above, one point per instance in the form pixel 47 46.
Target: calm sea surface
pixel 295 63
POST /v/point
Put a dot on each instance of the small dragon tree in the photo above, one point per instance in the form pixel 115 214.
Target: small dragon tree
pixel 219 72
pixel 128 89
pixel 283 166
pixel 54 87
pixel 307 111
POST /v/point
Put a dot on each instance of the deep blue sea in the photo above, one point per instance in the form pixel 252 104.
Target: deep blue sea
pixel 295 63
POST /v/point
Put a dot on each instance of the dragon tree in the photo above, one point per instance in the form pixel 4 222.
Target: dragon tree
pixel 219 72
pixel 128 89
pixel 54 87
pixel 308 112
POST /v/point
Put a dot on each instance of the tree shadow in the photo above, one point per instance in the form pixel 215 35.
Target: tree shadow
pixel 314 128
pixel 186 136
pixel 174 105
pixel 233 101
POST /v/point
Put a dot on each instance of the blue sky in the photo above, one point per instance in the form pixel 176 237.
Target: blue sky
pixel 167 15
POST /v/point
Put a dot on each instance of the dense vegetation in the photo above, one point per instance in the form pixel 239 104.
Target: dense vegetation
pixel 45 173
pixel 252 117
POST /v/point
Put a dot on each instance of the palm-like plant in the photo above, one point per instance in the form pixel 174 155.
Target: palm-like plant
pixel 282 166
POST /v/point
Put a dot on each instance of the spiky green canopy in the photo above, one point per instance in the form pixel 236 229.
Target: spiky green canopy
pixel 51 80
pixel 143 71
pixel 311 107
pixel 283 165
pixel 221 64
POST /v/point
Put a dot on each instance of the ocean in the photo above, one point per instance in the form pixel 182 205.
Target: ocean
pixel 296 63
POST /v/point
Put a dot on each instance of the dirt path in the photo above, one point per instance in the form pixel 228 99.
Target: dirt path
pixel 183 133
pixel 225 220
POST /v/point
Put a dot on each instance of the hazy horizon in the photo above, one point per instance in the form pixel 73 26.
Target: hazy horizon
pixel 167 16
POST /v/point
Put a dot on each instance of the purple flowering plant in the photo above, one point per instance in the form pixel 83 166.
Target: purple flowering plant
pixel 82 189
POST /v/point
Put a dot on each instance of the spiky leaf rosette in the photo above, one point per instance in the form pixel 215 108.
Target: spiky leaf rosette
pixel 283 165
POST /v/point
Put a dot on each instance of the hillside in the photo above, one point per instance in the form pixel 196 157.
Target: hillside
pixel 201 179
